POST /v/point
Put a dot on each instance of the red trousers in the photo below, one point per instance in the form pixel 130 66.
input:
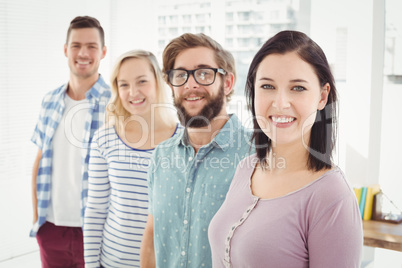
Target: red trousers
pixel 60 246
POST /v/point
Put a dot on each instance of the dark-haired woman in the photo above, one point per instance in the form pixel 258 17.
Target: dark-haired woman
pixel 289 205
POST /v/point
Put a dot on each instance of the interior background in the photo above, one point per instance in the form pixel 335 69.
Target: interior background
pixel 361 38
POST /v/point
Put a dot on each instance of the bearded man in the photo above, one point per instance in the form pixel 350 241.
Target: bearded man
pixel 185 194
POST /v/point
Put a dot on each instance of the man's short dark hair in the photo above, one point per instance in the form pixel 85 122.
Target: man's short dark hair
pixel 81 22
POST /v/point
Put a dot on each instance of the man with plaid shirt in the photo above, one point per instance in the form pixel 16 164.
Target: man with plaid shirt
pixel 68 119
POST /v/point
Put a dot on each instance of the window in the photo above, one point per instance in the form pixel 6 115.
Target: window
pixel 258 16
pixel 161 44
pixel 173 19
pixel 229 42
pixel 243 42
pixel 186 18
pixel 392 94
pixel 173 31
pixel 229 30
pixel 200 18
pixel 200 29
pixel 205 5
pixel 162 31
pixel 162 20
pixel 229 16
pixel 274 15
pixel 393 44
pixel 186 29
pixel 244 29
pixel 244 16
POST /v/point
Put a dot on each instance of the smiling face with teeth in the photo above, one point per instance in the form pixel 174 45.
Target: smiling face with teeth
pixel 136 85
pixel 198 105
pixel 287 97
pixel 84 51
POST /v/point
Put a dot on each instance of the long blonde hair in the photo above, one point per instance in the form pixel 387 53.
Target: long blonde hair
pixel 116 114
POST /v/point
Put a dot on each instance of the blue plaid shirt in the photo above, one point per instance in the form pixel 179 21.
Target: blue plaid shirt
pixel 187 189
pixel 49 118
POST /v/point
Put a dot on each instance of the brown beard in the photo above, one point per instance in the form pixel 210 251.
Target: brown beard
pixel 204 117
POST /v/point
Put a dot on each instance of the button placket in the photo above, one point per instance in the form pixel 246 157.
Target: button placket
pixel 233 228
pixel 190 171
pixel 192 166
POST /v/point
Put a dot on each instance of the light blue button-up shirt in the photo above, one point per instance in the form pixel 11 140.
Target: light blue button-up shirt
pixel 50 115
pixel 187 189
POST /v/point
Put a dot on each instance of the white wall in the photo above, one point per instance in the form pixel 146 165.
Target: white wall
pixel 33 63
pixel 369 150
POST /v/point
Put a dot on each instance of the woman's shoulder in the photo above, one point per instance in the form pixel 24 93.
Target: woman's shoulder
pixel 248 162
pixel 245 168
pixel 332 200
pixel 336 178
pixel 331 187
pixel 177 129
pixel 174 138
pixel 104 135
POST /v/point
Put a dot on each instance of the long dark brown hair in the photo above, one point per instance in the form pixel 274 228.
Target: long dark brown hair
pixel 323 132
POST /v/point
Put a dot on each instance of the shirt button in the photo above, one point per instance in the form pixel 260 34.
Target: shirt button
pixel 188 190
pixel 183 253
pixel 185 221
pixel 190 158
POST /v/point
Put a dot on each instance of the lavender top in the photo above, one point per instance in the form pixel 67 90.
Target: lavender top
pixel 318 225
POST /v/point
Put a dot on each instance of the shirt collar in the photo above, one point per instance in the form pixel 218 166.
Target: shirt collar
pixel 95 92
pixel 222 140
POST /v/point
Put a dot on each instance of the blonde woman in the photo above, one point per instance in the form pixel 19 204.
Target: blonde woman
pixel 139 117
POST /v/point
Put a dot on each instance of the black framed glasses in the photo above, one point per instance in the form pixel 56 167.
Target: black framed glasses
pixel 203 76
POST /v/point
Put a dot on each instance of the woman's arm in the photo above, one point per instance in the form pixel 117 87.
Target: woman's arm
pixel 147 254
pixel 96 210
pixel 336 239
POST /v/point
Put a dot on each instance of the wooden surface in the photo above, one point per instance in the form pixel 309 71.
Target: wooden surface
pixel 382 235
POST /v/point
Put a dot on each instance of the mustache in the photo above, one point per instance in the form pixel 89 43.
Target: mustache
pixel 194 93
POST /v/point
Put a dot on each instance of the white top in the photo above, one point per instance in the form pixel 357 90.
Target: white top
pixel 65 201
pixel 117 207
